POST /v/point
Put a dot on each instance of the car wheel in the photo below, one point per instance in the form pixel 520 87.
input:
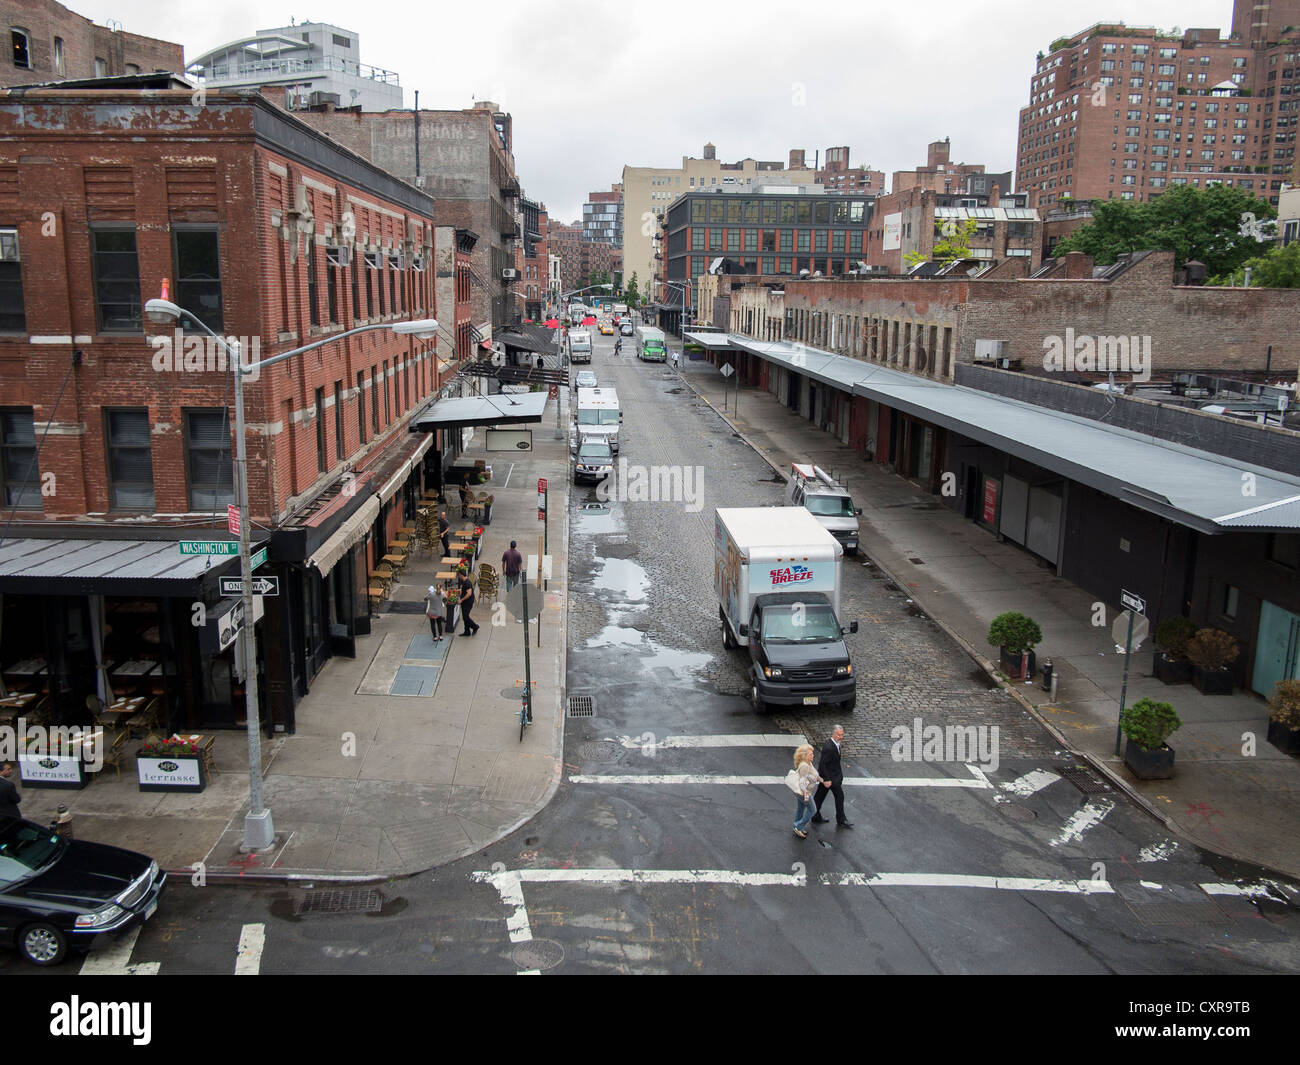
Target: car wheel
pixel 756 700
pixel 43 944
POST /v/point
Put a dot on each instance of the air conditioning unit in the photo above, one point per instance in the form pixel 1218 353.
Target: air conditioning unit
pixel 509 275
pixel 317 99
pixel 990 350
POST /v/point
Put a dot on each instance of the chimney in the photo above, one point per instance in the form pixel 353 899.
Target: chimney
pixel 1077 265
pixel 995 196
pixel 796 159
pixel 710 152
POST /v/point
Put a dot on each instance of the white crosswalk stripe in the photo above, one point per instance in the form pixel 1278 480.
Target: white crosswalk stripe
pixel 248 957
pixel 115 959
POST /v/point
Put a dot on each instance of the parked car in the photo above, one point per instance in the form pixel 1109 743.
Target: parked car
pixel 58 894
pixel 626 328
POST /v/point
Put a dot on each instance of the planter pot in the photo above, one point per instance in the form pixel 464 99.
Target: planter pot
pixel 487 513
pixel 183 773
pixel 453 613
pixel 1012 666
pixel 52 771
pixel 1171 670
pixel 1286 740
pixel 1212 681
pixel 1149 765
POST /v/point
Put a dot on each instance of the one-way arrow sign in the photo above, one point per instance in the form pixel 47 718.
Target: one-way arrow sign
pixel 261 586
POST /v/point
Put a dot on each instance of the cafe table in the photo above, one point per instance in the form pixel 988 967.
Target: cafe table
pixel 30 667
pixel 137 668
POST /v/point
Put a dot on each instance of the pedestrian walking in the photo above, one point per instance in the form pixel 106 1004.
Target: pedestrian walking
pixel 512 562
pixel 803 780
pixel 466 604
pixel 676 356
pixel 444 533
pixel 435 609
pixel 831 770
pixel 9 797
pixel 464 499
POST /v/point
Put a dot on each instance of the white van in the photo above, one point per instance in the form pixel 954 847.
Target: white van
pixel 596 415
pixel 579 346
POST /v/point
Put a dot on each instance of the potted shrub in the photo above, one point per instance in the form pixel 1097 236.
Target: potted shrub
pixel 1015 636
pixel 170 765
pixel 1147 724
pixel 487 509
pixel 1211 652
pixel 1284 717
pixel 1170 664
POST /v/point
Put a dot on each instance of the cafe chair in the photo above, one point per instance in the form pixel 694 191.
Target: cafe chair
pixel 488 581
pixel 116 753
pixel 146 720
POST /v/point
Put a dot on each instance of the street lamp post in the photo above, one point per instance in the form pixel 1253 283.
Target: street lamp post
pixel 259 829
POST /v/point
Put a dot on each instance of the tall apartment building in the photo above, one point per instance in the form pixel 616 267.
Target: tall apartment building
pixel 835 175
pixel 47 42
pixel 1263 21
pixel 648 190
pixel 465 161
pixel 535 257
pixel 312 61
pixel 602 217
pixel 1121 112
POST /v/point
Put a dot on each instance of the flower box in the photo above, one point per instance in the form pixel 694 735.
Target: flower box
pixel 1286 740
pixel 179 772
pixel 1149 765
pixel 1171 670
pixel 1212 681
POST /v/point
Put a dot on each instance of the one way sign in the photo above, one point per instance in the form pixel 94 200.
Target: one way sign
pixel 261 586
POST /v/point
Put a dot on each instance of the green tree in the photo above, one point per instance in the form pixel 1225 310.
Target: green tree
pixel 954 245
pixel 1276 268
pixel 632 294
pixel 1210 225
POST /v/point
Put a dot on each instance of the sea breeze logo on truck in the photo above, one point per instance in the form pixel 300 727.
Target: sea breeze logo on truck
pixel 790 575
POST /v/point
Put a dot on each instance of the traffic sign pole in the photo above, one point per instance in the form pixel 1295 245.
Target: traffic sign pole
pixel 1123 691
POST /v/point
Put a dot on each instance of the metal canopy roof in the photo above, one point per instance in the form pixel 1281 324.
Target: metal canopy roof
pixel 503 409
pixel 108 567
pixel 716 341
pixel 1193 488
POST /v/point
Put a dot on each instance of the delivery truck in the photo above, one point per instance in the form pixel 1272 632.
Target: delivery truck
pixel 777 574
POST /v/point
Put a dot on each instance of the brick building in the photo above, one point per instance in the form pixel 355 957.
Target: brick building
pixel 579 257
pixel 837 176
pixel 50 43
pixel 266 230
pixel 534 261
pixel 465 161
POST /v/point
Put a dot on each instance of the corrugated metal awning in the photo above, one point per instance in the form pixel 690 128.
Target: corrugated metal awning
pixel 345 536
pixel 404 471
pixel 108 567
pixel 501 409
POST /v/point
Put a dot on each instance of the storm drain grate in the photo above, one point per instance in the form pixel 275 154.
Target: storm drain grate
pixel 582 706
pixel 325 903
pixel 1086 781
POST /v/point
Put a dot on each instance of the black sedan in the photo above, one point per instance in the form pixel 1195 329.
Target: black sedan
pixel 58 894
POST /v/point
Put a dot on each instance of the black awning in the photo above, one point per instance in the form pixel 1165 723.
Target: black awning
pixel 503 409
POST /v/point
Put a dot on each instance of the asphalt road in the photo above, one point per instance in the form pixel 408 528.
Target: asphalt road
pixel 668 848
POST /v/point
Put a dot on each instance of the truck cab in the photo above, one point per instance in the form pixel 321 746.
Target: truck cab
pixel 827 501
pixel 797 653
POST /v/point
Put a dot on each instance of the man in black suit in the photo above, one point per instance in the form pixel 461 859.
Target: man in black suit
pixel 829 768
pixel 9 797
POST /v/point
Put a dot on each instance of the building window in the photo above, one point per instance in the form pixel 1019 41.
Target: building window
pixel 335 258
pixel 198 274
pixel 13 313
pixel 117 279
pixel 361 407
pixel 130 460
pixel 21 49
pixel 60 60
pixel 313 312
pixel 338 420
pixel 207 459
pixel 388 409
pixel 22 481
pixel 1284 549
pixel 321 462
pixel 374 400
pixel 101 67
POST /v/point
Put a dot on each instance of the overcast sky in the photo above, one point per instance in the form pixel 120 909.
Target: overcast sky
pixel 593 86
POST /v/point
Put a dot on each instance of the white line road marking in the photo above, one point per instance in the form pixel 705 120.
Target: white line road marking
pixel 1157 852
pixel 659 876
pixel 978 781
pixel 115 960
pixel 1260 889
pixel 248 958
pixel 1083 819
pixel 1001 883
pixel 755 740
pixel 1031 782
pixel 1151 885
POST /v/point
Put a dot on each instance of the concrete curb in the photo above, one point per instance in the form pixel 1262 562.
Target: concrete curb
pixel 994 675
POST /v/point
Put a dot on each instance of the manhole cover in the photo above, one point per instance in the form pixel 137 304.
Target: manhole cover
pixel 1085 780
pixel 582 706
pixel 1017 812
pixel 352 900
pixel 601 751
pixel 538 954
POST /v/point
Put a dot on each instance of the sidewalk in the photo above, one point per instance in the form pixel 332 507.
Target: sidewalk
pixel 406 757
pixel 1243 806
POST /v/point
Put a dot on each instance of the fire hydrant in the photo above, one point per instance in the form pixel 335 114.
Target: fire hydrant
pixel 62 822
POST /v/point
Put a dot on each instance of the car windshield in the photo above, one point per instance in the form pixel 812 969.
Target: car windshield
pixel 595 453
pixel 24 848
pixel 830 506
pixel 598 417
pixel 800 623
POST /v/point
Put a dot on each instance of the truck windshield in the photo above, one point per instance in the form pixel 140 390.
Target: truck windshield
pixel 830 506
pixel 597 417
pixel 654 345
pixel 814 623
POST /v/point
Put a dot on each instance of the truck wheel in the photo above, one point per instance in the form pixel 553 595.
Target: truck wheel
pixel 756 700
pixel 727 641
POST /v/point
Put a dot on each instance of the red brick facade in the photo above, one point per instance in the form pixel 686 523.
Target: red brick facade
pixel 81 42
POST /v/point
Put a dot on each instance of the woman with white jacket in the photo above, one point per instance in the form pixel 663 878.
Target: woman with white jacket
pixel 807 778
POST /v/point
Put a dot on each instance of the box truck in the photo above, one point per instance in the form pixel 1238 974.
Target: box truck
pixel 777 575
